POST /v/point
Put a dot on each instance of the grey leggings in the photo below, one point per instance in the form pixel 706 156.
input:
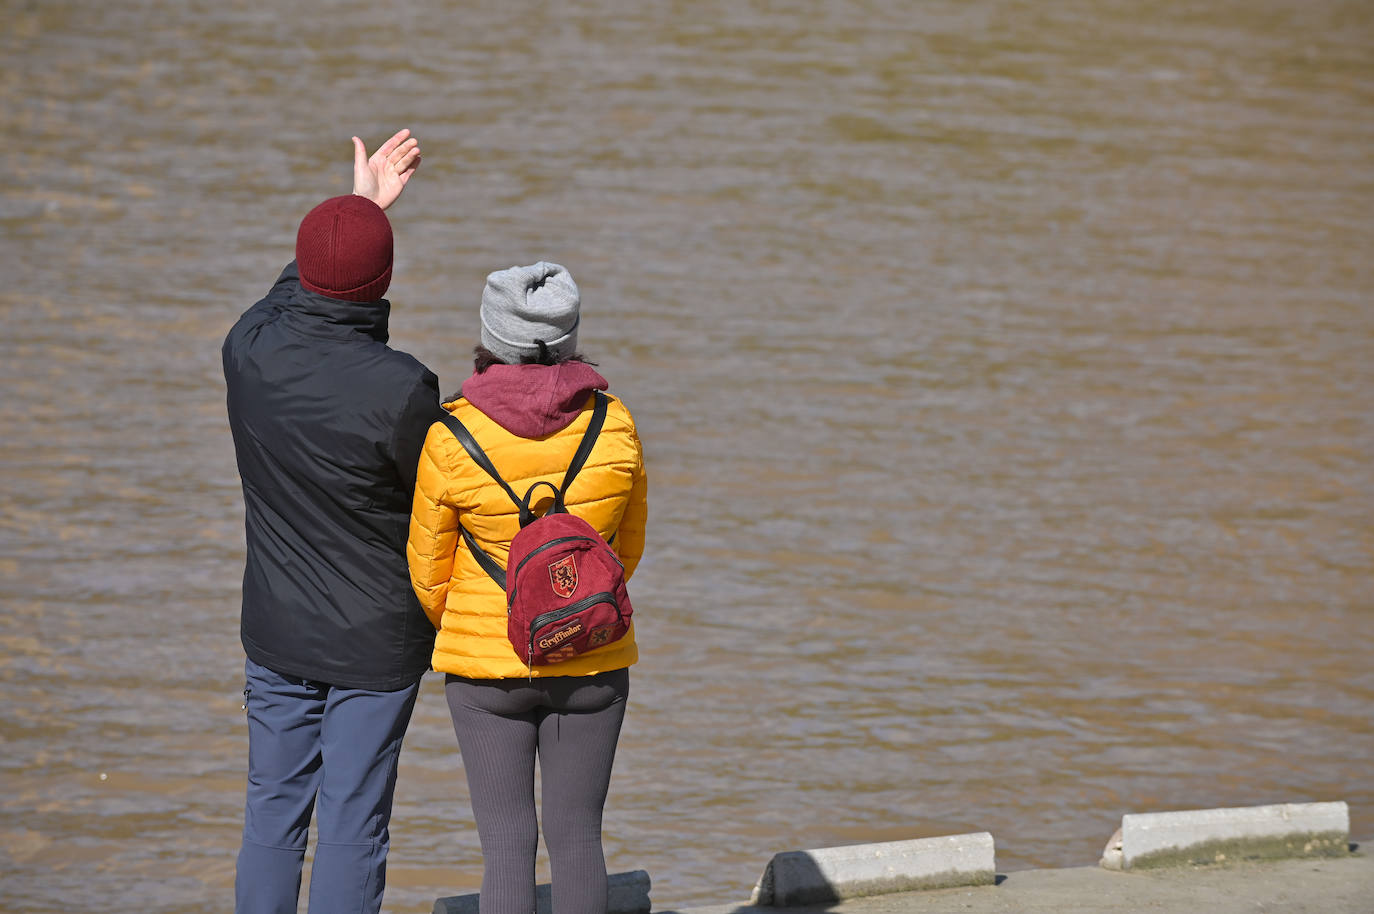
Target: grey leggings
pixel 573 724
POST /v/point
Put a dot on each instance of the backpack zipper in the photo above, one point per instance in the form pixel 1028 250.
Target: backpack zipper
pixel 544 619
pixel 558 615
pixel 549 545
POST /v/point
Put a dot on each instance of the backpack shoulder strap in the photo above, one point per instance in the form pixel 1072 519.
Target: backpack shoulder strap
pixel 584 449
pixel 479 457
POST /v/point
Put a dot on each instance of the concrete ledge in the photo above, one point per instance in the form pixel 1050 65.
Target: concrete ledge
pixel 628 894
pixel 1222 835
pixel 797 878
pixel 1338 885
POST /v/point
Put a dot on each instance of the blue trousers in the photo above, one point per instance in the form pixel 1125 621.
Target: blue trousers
pixel 327 750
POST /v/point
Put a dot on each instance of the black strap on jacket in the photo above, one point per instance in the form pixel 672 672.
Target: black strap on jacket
pixel 479 457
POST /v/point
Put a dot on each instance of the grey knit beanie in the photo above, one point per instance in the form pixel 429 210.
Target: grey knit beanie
pixel 525 304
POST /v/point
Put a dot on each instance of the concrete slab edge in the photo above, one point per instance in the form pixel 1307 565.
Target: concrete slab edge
pixel 628 893
pixel 825 875
pixel 1218 835
pixel 1054 889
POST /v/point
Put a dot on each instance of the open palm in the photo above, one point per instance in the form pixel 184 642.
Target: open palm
pixel 382 176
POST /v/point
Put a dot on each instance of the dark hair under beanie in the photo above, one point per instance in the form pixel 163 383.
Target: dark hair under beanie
pixel 344 249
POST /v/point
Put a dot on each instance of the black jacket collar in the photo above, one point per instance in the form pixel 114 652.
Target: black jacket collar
pixel 333 317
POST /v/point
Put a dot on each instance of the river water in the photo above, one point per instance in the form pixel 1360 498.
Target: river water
pixel 1005 371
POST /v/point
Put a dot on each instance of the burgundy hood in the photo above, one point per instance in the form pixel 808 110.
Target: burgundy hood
pixel 533 400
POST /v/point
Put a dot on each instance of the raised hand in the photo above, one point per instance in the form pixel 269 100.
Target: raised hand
pixel 382 176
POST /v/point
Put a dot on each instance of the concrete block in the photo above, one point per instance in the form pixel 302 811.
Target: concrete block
pixel 829 874
pixel 628 894
pixel 1219 835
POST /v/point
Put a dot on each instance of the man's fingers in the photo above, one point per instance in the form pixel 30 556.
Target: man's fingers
pixel 359 154
pixel 407 148
pixel 396 139
pixel 403 159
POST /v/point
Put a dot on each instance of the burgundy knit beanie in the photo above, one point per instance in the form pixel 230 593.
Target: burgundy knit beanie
pixel 344 249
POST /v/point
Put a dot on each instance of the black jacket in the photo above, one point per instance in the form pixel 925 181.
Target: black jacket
pixel 328 423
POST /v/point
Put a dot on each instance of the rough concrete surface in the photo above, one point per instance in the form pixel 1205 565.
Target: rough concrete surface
pixel 826 875
pixel 1214 835
pixel 1309 886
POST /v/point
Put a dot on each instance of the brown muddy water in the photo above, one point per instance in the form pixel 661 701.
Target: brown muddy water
pixel 1005 369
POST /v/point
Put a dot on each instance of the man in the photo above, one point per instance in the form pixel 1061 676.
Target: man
pixel 328 423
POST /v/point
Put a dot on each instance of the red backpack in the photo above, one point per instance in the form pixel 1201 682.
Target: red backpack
pixel 564 584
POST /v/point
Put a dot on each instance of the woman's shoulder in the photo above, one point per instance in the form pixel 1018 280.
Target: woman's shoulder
pixel 617 408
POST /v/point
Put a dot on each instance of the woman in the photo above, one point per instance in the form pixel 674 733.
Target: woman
pixel 527 404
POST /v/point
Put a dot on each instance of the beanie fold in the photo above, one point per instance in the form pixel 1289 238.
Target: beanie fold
pixel 372 290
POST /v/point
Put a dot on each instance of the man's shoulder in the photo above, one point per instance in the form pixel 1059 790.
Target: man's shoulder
pixel 395 383
pixel 261 313
pixel 402 367
pixel 268 307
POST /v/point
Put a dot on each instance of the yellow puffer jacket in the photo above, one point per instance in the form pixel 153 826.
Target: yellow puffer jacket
pixel 461 600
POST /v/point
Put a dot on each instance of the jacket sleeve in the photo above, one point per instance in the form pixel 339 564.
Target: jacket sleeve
pixel 420 411
pixel 629 540
pixel 433 527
